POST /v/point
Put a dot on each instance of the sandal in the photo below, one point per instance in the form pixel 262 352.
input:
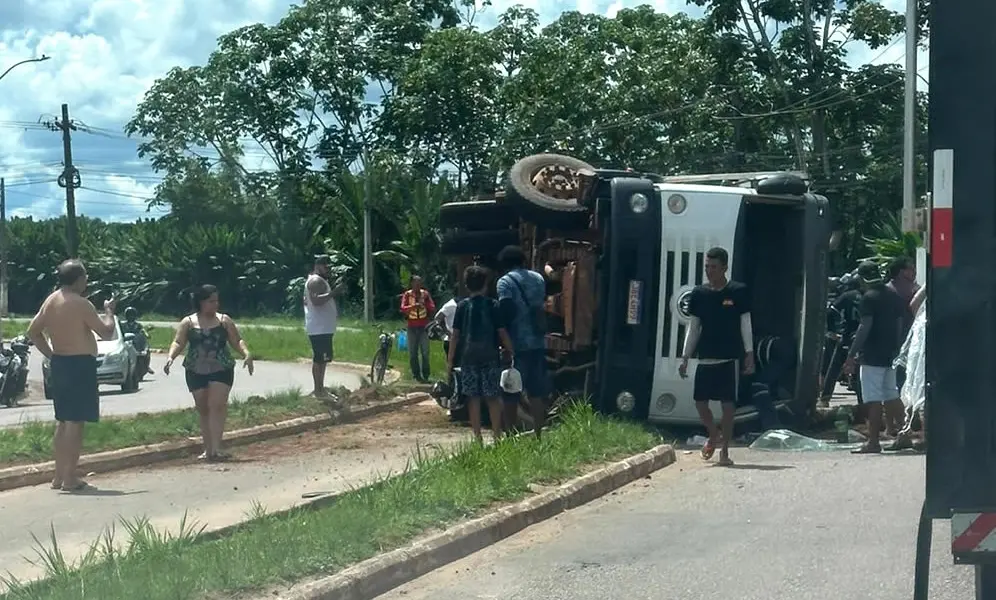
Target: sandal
pixel 79 486
pixel 902 443
pixel 220 456
pixel 708 449
pixel 868 449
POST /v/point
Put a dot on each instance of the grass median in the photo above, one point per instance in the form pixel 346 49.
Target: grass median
pixel 32 442
pixel 273 550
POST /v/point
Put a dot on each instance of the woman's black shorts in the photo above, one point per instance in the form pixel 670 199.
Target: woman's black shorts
pixel 198 381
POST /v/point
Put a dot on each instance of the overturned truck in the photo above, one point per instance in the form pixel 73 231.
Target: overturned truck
pixel 622 250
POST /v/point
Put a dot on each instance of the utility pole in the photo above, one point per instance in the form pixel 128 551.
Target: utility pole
pixel 909 121
pixel 70 179
pixel 3 252
pixel 368 293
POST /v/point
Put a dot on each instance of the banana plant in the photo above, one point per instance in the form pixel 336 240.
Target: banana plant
pixel 888 240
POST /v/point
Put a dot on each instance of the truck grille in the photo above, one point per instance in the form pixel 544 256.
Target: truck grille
pixel 681 268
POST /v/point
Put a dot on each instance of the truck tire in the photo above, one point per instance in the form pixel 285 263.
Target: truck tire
pixel 554 203
pixel 477 215
pixel 482 243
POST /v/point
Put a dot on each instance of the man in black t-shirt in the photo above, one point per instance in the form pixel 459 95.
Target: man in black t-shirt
pixel 719 335
pixel 876 345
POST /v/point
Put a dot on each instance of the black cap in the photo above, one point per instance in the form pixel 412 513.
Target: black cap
pixel 869 272
pixel 323 259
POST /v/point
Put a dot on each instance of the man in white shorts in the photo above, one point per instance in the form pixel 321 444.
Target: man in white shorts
pixel 876 345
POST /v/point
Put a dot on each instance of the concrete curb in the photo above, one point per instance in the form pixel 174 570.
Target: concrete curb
pixel 115 460
pixel 382 573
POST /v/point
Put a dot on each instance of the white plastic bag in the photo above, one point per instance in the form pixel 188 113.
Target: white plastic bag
pixel 912 356
pixel 511 380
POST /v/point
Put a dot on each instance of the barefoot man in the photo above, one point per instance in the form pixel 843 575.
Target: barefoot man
pixel 63 332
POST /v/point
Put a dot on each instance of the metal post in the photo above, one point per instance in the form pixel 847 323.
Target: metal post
pixel 985 582
pixel 367 241
pixel 909 121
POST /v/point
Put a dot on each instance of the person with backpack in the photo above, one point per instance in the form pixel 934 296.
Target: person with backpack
pixel 478 331
pixel 522 298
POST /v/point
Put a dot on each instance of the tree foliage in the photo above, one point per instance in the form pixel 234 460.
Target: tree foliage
pixel 269 149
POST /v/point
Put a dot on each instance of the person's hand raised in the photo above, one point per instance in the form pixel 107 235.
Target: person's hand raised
pixel 110 304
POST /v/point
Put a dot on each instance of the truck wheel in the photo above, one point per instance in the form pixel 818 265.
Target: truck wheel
pixel 477 215
pixel 483 243
pixel 546 188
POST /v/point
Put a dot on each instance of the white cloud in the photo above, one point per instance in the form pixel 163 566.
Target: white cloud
pixel 106 54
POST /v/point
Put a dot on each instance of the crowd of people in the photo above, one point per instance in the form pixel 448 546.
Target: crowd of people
pixel 485 339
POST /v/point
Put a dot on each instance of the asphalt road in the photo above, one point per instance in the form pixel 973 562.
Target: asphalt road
pixel 160 393
pixel 778 526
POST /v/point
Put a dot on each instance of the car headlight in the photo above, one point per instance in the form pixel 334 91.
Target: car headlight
pixel 113 359
pixel 639 203
pixel 625 402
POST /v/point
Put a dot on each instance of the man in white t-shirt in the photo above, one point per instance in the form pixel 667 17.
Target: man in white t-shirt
pixel 444 316
pixel 320 319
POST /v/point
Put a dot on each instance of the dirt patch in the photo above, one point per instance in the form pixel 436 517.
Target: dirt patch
pixel 424 423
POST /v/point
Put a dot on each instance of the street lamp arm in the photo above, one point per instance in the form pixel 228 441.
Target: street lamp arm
pixel 42 58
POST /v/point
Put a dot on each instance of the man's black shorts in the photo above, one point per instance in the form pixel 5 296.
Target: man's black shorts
pixel 717 382
pixel 73 385
pixel 321 347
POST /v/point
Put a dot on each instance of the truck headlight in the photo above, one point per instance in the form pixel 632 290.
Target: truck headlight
pixel 625 402
pixel 639 203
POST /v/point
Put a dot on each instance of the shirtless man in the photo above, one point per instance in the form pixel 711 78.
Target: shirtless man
pixel 63 332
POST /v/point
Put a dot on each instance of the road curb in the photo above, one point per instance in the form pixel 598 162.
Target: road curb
pixel 137 456
pixel 382 573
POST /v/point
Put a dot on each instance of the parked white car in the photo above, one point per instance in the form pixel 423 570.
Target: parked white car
pixel 117 362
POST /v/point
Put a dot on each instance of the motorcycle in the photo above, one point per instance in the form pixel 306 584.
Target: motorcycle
pixel 14 370
pixel 138 337
pixel 141 343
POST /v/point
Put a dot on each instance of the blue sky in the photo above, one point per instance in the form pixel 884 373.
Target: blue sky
pixel 107 53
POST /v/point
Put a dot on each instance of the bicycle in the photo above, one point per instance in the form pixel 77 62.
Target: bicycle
pixel 378 368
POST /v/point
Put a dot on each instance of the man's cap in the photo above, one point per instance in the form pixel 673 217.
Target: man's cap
pixel 868 272
pixel 323 259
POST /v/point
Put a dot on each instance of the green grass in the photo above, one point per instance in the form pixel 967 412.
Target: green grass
pixel 32 442
pixel 292 344
pixel 273 550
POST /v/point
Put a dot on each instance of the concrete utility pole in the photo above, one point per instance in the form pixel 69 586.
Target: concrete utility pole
pixel 368 291
pixel 909 122
pixel 3 252
pixel 70 179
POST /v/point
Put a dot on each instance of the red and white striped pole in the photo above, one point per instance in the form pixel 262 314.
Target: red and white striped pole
pixel 942 210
